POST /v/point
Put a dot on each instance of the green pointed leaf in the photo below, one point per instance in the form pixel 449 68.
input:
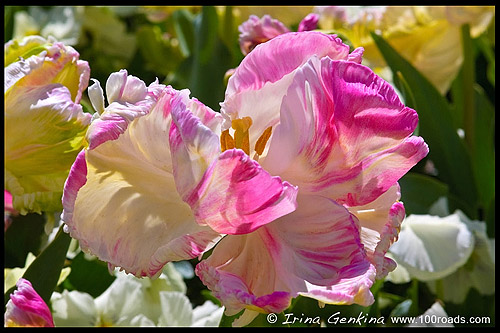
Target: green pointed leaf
pixel 44 271
pixel 206 26
pixel 446 149
pixel 408 97
pixel 183 22
pixel 23 236
pixel 90 276
pixel 419 192
pixel 209 61
pixel 483 160
pixel 468 69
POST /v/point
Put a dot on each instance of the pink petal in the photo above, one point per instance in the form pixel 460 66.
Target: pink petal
pixel 353 288
pixel 310 22
pixel 271 61
pixel 228 192
pixel 235 293
pixel 237 196
pixel 260 82
pixel 380 222
pixel 255 31
pixel 124 88
pixel 315 248
pixel 343 133
pixel 27 308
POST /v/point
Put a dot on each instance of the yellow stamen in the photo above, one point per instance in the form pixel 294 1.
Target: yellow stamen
pixel 226 141
pixel 261 142
pixel 241 135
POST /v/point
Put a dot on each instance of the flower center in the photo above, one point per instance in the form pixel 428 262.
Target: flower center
pixel 241 138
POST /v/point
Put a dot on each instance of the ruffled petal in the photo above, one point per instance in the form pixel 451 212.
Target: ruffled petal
pixel 124 88
pixel 310 22
pixel 380 222
pixel 27 308
pixel 15 49
pixel 228 192
pixel 315 251
pixel 317 242
pixel 176 309
pixel 36 165
pixel 261 80
pixel 130 99
pixel 73 308
pixel 194 146
pixel 96 96
pixel 343 133
pixel 58 64
pixel 352 288
pixel 121 202
pixel 237 196
pixel 271 61
pixel 235 295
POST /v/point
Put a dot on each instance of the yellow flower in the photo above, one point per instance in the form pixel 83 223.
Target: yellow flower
pixel 428 37
pixel 44 122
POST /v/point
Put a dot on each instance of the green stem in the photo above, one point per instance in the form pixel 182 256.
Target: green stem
pixel 439 289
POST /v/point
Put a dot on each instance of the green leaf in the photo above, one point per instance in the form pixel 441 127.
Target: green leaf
pixel 24 235
pixel 206 26
pixel 158 52
pixel 90 276
pixel 183 22
pixel 468 91
pixel 419 192
pixel 277 320
pixel 44 271
pixel 446 149
pixel 489 53
pixel 208 63
pixel 408 97
pixel 483 159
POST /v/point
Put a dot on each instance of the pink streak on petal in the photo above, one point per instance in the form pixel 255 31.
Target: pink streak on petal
pixel 237 196
pixel 27 308
pixel 76 179
pixel 343 133
pixel 281 55
pixel 353 289
pixel 235 294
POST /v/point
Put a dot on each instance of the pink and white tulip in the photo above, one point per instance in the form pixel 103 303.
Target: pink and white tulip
pixel 298 174
pixel 44 122
pixel 318 119
pixel 127 198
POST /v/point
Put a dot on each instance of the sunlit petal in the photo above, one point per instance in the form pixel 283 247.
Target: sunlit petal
pixel 343 133
pixel 112 202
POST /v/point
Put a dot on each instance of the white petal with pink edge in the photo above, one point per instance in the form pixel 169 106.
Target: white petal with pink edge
pixel 121 202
